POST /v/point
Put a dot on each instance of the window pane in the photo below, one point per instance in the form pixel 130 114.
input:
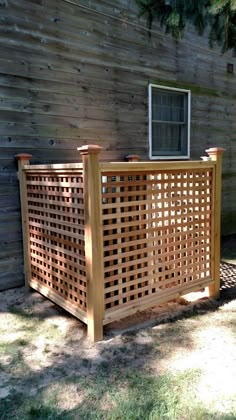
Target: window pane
pixel 169 139
pixel 168 106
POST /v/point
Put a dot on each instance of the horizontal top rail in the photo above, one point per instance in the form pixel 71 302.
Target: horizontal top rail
pixel 154 166
pixel 124 166
pixel 55 167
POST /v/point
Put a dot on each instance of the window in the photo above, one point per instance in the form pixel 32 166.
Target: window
pixel 169 122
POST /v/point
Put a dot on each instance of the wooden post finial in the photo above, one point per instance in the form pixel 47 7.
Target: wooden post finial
pixel 89 149
pixel 214 152
pixel 132 158
pixel 23 156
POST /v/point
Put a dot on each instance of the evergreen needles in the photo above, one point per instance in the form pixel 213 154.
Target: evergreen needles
pixel 218 16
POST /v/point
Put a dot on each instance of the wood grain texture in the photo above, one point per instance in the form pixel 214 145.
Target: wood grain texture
pixel 158 232
pixel 24 159
pixel 105 240
pixel 55 208
pixel 71 76
pixel 93 239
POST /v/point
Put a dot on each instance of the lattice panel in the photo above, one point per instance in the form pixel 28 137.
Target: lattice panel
pixel 157 233
pixel 56 225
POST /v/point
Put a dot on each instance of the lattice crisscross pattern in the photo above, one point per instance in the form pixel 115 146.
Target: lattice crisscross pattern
pixel 56 227
pixel 157 233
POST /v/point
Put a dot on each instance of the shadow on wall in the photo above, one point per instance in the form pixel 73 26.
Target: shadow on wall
pixel 228 279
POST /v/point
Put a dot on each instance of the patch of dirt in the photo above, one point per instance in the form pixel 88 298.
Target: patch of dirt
pixel 47 344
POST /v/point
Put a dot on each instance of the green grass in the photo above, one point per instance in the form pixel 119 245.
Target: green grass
pixel 18 333
pixel 13 347
pixel 115 390
pixel 121 380
pixel 112 389
pixel 115 395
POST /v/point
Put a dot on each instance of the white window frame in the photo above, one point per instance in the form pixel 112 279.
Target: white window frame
pixel 188 92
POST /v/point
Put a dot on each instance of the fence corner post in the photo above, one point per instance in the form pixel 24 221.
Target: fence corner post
pixel 24 159
pixel 93 241
pixel 216 153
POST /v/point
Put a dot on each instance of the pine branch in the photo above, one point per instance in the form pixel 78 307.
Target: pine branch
pixel 218 15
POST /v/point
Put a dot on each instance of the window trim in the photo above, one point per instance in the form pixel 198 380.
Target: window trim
pixel 156 157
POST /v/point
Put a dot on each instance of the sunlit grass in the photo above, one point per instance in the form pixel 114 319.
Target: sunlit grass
pixel 24 338
pixel 120 395
pixel 165 372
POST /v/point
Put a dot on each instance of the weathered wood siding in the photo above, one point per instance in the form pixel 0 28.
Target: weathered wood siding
pixel 75 72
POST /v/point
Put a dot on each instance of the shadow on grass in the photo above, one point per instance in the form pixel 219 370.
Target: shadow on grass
pixel 115 394
pixel 118 381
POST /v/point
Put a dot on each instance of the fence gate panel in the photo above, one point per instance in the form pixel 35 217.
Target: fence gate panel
pixel 56 235
pixel 157 235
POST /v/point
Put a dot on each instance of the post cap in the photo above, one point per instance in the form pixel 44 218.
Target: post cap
pixel 215 151
pixel 23 156
pixel 89 149
pixel 132 158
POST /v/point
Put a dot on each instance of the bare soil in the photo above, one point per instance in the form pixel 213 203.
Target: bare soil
pixel 43 343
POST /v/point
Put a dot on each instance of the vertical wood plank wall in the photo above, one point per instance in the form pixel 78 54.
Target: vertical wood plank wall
pixel 78 73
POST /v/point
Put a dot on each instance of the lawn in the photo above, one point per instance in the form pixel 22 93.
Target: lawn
pixel 180 363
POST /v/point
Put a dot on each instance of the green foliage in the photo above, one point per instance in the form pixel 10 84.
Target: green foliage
pixel 217 15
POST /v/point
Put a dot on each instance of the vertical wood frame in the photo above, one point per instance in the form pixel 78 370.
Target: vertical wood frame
pixel 24 159
pixel 216 154
pixel 93 241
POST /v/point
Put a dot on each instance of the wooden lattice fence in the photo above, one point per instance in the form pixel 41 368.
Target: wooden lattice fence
pixel 104 240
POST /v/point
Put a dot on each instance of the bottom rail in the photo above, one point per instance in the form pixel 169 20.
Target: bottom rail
pixel 114 314
pixel 55 298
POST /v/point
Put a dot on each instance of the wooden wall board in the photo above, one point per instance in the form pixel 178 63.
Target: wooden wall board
pixel 73 75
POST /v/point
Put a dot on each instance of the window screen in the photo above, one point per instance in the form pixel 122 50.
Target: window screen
pixel 169 122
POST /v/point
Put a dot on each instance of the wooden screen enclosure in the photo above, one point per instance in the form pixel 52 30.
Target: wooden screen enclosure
pixel 105 240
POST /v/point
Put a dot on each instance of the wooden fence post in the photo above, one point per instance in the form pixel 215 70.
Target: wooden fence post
pixel 24 159
pixel 215 154
pixel 93 241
